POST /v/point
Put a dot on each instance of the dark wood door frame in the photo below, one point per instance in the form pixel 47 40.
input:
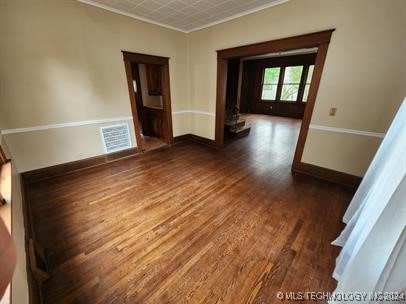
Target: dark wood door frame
pixel 136 58
pixel 320 40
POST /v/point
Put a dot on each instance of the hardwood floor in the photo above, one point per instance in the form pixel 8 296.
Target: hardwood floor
pixel 191 224
pixel 151 143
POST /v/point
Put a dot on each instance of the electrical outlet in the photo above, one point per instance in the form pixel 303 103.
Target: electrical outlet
pixel 333 111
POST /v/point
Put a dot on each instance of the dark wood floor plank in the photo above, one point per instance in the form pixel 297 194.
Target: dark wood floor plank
pixel 190 224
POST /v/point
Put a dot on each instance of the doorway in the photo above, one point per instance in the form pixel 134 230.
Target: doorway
pixel 319 40
pixel 275 84
pixel 149 91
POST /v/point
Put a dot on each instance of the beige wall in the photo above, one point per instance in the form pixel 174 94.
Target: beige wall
pixel 62 62
pixel 181 123
pixel 362 75
pixel 38 149
pixel 322 148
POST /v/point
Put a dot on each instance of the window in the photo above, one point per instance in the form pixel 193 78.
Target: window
pixel 270 83
pixel 290 83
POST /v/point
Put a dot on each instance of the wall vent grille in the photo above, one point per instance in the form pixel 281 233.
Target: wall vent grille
pixel 115 138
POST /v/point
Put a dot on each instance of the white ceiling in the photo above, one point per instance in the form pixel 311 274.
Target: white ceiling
pixel 184 15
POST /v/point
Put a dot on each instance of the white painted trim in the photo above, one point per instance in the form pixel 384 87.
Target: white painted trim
pixel 193 112
pixel 89 122
pixel 124 118
pixel 65 125
pixel 180 112
pixel 260 8
pixel 121 12
pixel 347 131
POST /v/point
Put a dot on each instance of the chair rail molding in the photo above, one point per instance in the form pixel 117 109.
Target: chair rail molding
pixel 125 118
pixel 193 112
pixel 347 131
pixel 65 125
pixel 89 122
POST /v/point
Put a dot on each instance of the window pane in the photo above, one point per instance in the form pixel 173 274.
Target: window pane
pixel 293 74
pixel 289 92
pixel 271 75
pixel 306 92
pixel 270 83
pixel 308 81
pixel 269 91
pixel 310 74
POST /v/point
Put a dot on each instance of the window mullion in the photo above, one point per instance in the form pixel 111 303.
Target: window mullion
pixel 280 83
pixel 302 83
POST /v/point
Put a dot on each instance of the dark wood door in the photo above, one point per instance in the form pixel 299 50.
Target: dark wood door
pixel 154 79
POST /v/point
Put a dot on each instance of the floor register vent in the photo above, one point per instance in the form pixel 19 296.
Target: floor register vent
pixel 116 137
